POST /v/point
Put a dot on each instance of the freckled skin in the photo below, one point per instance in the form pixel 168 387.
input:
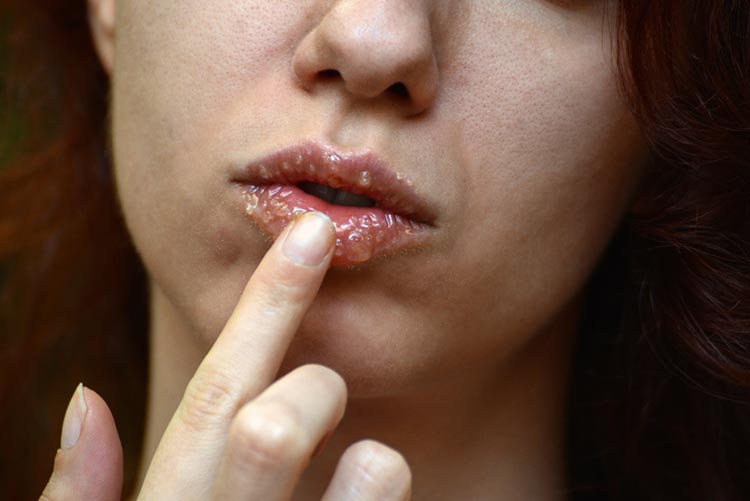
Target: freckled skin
pixel 521 145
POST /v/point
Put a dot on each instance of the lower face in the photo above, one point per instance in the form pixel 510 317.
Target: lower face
pixel 527 158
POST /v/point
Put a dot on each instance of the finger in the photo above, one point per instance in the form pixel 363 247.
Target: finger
pixel 258 333
pixel 88 464
pixel 369 470
pixel 273 437
pixel 244 359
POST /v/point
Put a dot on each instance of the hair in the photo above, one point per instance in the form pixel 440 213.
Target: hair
pixel 659 405
pixel 73 297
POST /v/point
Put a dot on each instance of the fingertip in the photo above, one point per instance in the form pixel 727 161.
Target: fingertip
pixel 310 239
pixel 89 467
pixel 75 418
pixel 104 441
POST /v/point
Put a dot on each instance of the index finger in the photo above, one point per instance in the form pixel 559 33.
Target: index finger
pixel 268 313
pixel 245 357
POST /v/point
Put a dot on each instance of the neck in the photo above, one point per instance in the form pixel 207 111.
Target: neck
pixel 492 434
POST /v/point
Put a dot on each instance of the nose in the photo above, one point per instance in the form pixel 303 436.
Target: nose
pixel 378 48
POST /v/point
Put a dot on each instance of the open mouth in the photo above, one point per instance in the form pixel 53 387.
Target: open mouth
pixel 335 196
pixel 375 211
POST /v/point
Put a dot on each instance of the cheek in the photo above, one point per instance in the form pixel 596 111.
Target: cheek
pixel 181 69
pixel 551 157
pixel 181 66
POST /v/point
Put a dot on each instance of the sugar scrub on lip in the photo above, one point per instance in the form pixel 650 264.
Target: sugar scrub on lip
pixel 375 208
pixel 362 233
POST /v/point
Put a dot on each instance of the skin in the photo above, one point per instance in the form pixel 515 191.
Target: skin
pixel 453 360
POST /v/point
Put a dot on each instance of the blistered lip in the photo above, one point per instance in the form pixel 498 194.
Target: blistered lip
pixel 400 219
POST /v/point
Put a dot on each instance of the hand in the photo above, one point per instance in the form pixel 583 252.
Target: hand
pixel 237 433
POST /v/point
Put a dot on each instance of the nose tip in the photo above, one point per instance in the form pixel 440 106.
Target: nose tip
pixel 376 53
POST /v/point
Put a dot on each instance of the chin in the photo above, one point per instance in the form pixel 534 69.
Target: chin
pixel 371 364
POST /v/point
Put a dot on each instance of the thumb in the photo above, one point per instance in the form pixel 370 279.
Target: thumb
pixel 88 464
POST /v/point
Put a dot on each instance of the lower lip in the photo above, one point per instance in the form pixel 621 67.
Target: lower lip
pixel 362 233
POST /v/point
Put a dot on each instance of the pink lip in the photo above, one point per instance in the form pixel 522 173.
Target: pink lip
pixel 399 220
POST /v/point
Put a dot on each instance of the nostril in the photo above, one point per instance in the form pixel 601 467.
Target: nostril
pixel 399 89
pixel 330 73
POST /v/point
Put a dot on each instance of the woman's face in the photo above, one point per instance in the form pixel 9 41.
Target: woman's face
pixel 507 124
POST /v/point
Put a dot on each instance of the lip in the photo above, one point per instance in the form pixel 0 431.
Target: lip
pixel 400 220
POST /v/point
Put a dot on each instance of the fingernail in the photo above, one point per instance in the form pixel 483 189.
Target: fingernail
pixel 74 417
pixel 310 239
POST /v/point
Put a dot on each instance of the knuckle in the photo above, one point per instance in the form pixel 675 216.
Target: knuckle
pixel 266 436
pixel 380 469
pixel 210 396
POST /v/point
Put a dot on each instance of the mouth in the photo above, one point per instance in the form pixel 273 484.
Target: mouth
pixel 375 211
pixel 334 196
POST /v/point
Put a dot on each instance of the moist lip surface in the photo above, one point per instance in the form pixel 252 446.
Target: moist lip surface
pixel 276 190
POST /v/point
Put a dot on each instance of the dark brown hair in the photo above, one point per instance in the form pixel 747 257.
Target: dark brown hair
pixel 660 399
pixel 72 290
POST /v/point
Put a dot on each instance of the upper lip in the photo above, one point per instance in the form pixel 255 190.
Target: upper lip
pixel 322 164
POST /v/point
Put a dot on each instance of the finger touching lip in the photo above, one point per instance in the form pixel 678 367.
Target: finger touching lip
pixel 375 211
